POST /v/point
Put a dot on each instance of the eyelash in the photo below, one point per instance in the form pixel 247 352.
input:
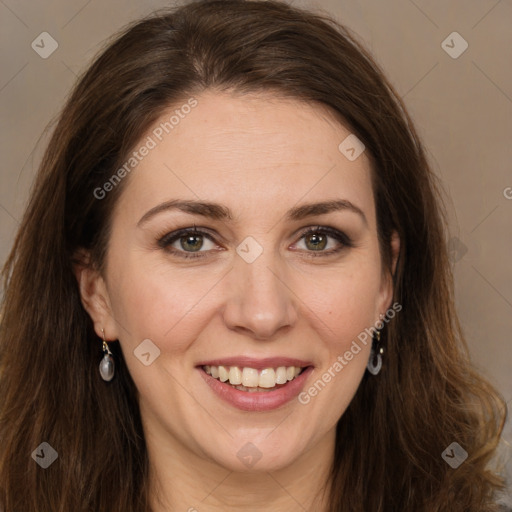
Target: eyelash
pixel 165 241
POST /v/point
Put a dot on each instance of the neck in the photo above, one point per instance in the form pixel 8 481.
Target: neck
pixel 183 480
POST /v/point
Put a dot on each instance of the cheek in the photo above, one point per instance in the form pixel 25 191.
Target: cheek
pixel 153 302
pixel 170 304
pixel 348 309
pixel 351 303
pixel 150 303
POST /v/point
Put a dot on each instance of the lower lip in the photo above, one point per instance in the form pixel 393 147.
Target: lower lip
pixel 259 400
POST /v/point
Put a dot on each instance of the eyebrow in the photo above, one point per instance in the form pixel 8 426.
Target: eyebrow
pixel 217 211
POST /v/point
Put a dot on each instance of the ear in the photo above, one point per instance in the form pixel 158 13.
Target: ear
pixel 386 290
pixel 94 295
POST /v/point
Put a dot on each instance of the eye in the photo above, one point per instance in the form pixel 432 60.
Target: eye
pixel 316 239
pixel 188 242
pixel 185 242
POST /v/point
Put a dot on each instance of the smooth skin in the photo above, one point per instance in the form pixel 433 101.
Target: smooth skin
pixel 258 155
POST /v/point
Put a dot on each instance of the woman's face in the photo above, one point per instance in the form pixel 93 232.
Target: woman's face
pixel 249 292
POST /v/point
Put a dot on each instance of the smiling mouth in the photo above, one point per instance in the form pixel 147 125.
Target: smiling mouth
pixel 253 380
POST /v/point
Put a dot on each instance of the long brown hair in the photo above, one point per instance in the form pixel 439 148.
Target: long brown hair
pixel 390 439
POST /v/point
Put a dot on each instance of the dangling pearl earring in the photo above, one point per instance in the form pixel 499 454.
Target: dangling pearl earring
pixel 375 362
pixel 107 363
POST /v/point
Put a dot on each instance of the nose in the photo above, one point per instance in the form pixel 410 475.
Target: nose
pixel 260 302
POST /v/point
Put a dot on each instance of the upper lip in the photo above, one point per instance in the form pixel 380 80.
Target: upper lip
pixel 258 364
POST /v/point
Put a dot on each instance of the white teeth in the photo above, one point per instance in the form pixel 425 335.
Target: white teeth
pixel 267 378
pixel 250 379
pixel 235 375
pixel 223 374
pixel 281 375
pixel 252 390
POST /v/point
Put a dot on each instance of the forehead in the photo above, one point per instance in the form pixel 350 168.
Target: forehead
pixel 248 151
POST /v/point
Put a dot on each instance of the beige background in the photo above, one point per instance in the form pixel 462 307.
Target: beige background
pixel 462 107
